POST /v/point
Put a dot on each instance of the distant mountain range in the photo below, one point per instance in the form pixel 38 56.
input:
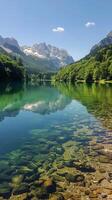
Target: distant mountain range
pixel 96 66
pixel 38 58
pixel 59 57
pixel 10 41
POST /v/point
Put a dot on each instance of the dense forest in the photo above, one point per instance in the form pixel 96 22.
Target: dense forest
pixel 94 67
pixel 11 68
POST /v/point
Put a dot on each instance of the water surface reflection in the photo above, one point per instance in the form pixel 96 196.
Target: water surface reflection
pixel 55 142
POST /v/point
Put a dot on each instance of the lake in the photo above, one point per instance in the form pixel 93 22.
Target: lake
pixel 56 142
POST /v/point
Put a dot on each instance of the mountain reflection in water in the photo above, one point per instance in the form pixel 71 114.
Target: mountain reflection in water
pixel 41 99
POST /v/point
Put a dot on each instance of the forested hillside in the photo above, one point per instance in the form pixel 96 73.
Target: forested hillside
pixel 11 68
pixel 94 67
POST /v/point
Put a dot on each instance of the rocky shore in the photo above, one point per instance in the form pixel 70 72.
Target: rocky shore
pixel 70 163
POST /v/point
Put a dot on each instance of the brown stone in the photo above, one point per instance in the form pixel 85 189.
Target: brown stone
pixel 50 185
pixel 87 192
pixel 19 197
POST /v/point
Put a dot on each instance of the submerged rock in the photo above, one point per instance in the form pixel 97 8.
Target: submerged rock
pixel 52 170
pixel 60 165
pixel 38 183
pixel 69 163
pixel 26 170
pixel 103 195
pixel 59 150
pixel 16 180
pixel 50 185
pixel 57 196
pixel 87 191
pixel 44 149
pixel 85 168
pixel 74 178
pixel 32 178
pixel 104 159
pixel 110 176
pixel 19 197
pixel 22 188
pixel 58 178
pixel 3 164
pixel 4 177
pixel 5 190
pixel 102 170
pixel 106 184
pixel 42 193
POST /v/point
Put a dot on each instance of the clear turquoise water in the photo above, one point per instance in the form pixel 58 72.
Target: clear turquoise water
pixel 36 122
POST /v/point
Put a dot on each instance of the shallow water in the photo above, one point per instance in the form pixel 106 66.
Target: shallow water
pixel 53 138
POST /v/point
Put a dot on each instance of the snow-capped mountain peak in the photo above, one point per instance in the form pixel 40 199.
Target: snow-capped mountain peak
pixel 30 51
pixel 59 57
pixel 38 57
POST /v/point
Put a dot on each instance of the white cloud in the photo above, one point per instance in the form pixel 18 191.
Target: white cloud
pixel 90 24
pixel 58 29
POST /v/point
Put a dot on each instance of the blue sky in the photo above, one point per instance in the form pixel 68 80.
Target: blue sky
pixel 75 25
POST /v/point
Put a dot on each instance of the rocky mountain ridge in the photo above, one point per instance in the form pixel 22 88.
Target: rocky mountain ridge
pixel 104 42
pixel 59 57
pixel 39 57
